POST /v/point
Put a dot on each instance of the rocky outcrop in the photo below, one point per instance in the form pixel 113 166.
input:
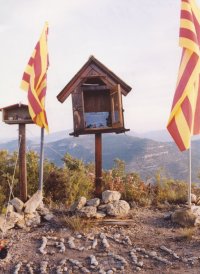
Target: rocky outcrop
pixel 33 203
pixel 87 211
pixel 118 208
pixel 94 202
pixel 109 196
pixel 17 204
pixel 24 215
pixel 78 204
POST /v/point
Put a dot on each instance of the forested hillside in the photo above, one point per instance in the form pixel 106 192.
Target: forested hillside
pixel 143 156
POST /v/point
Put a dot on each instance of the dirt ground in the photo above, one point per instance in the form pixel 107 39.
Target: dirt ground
pixel 146 228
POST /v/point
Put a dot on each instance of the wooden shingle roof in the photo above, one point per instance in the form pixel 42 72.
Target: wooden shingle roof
pixel 92 67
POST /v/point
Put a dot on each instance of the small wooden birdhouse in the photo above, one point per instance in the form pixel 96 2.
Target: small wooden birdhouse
pixel 96 99
pixel 16 114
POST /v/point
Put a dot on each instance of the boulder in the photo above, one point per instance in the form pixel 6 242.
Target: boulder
pixel 10 208
pixel 48 217
pixel 43 211
pixel 184 217
pixel 109 196
pixel 32 219
pixel 21 224
pixel 3 225
pixel 17 204
pixel 11 220
pixel 103 208
pixel 87 211
pixel 78 204
pixel 118 208
pixel 193 198
pixel 33 203
pixel 100 215
pixel 93 202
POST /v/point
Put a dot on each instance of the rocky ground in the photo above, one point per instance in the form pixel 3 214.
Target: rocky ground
pixel 145 242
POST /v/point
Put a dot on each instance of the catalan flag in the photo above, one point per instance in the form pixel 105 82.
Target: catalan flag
pixel 184 120
pixel 34 80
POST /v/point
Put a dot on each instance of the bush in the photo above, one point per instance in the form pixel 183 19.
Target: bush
pixel 67 184
pixel 172 191
pixel 129 185
pixel 74 179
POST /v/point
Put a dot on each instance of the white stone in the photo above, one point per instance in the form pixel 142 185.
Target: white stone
pixel 193 198
pixel 10 208
pixel 48 217
pixel 93 202
pixel 21 224
pixel 17 268
pixel 10 221
pixel 93 260
pixel 102 208
pixel 94 244
pixel 18 204
pixel 109 196
pixel 80 203
pixel 43 211
pixel 44 243
pixel 33 203
pixel 100 215
pixel 118 208
pixel 88 211
pixel 32 219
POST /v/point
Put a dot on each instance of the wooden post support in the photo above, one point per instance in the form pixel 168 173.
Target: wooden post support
pixel 22 162
pixel 98 164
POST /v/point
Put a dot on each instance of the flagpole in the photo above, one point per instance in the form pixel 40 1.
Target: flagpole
pixel 41 160
pixel 190 176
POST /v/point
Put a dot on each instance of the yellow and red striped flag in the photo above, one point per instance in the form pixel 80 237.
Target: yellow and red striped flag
pixel 184 120
pixel 34 80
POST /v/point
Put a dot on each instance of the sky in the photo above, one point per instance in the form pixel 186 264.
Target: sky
pixel 137 40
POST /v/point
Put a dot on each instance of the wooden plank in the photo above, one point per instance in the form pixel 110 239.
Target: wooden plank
pixel 120 222
pixel 94 88
pixel 98 130
pixel 96 101
pixel 77 103
pixel 22 162
pixel 98 164
pixel 116 107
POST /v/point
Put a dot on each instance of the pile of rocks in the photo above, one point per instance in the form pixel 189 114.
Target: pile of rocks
pixel 109 205
pixel 26 214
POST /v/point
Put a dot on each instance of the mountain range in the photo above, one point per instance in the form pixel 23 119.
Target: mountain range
pixel 142 155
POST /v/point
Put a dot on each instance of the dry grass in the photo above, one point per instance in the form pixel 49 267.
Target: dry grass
pixel 187 233
pixel 77 224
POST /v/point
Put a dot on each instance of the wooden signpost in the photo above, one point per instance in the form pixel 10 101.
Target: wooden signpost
pixel 19 114
pixel 97 106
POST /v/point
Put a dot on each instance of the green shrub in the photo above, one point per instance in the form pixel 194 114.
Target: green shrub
pixel 67 184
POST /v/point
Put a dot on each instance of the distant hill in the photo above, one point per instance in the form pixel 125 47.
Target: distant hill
pixel 141 155
pixel 158 135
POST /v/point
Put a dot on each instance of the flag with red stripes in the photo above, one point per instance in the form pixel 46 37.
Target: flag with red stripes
pixel 184 120
pixel 34 80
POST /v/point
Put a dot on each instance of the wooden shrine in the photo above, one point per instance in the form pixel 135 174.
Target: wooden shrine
pixel 96 104
pixel 16 114
pixel 19 114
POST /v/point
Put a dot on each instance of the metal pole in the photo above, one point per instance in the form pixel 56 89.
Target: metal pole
pixel 190 177
pixel 41 160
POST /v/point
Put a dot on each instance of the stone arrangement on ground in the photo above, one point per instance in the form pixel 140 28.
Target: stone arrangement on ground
pixel 121 240
pixel 109 205
pixel 145 246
